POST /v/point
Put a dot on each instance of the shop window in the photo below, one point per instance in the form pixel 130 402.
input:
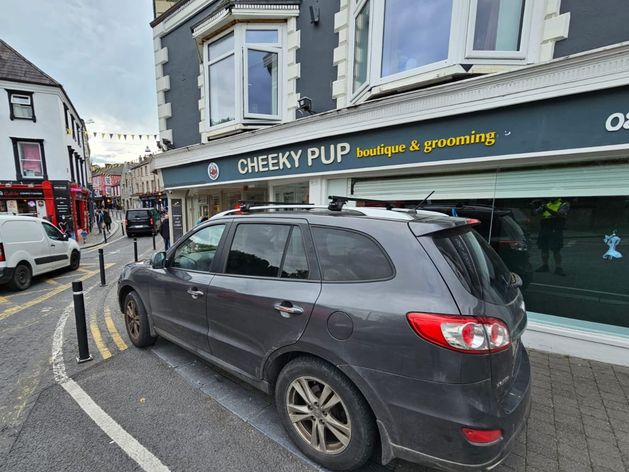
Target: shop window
pixel 347 256
pixel 29 157
pixel 244 75
pixel 402 39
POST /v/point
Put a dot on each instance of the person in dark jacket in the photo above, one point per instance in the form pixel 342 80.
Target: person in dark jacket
pixel 107 221
pixel 164 231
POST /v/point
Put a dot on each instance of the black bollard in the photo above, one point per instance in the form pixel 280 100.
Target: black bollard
pixel 101 263
pixel 154 241
pixel 105 233
pixel 122 227
pixel 135 249
pixel 81 326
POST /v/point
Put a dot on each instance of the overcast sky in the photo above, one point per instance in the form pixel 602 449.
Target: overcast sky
pixel 101 51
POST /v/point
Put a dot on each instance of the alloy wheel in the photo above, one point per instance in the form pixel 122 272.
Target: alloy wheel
pixel 319 415
pixel 132 319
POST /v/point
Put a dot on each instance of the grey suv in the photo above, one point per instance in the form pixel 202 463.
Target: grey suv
pixel 376 330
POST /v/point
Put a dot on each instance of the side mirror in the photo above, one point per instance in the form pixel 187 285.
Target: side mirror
pixel 516 280
pixel 65 237
pixel 158 260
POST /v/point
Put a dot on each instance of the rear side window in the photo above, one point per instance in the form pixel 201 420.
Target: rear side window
pixel 477 266
pixel 257 249
pixel 346 256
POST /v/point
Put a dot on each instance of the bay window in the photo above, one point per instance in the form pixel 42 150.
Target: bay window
pixel 244 75
pixel 401 39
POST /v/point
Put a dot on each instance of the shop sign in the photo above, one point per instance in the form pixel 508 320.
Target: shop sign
pixel 63 204
pixel 177 215
pixel 579 121
pixel 18 193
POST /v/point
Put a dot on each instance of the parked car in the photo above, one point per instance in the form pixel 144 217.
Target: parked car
pixel 32 246
pixel 141 221
pixel 374 329
pixel 508 238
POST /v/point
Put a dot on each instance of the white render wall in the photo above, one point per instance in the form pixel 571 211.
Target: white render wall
pixel 50 126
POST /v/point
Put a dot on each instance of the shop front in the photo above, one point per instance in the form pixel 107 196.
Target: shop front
pixel 551 178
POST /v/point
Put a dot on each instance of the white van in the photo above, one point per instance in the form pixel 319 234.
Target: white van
pixel 32 246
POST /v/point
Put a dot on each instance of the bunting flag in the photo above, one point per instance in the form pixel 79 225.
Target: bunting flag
pixel 117 136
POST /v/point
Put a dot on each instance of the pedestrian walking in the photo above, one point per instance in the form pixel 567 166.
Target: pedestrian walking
pixel 99 220
pixel 164 231
pixel 107 221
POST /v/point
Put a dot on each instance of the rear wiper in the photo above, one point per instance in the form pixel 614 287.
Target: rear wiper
pixel 516 280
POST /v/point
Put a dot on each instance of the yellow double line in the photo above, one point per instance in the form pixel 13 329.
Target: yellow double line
pixel 113 332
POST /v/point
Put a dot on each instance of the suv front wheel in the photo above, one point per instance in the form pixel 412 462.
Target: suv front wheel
pixel 324 414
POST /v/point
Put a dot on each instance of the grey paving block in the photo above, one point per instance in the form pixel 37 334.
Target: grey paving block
pixel 574 454
pixel 611 462
pixel 541 462
pixel 567 465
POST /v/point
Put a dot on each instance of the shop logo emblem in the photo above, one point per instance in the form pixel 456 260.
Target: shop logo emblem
pixel 212 171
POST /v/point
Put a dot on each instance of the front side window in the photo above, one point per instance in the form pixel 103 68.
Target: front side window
pixel 30 159
pixel 397 39
pixel 21 106
pixel 197 252
pixel 53 233
pixel 244 77
pixel 258 249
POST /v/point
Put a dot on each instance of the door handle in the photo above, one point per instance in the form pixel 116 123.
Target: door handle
pixel 52 245
pixel 287 309
pixel 195 293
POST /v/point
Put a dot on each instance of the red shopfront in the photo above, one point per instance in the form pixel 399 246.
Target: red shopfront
pixel 57 201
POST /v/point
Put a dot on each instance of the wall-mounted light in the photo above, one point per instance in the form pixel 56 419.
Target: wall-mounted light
pixel 305 105
pixel 314 15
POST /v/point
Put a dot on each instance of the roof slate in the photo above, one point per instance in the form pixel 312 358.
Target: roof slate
pixel 16 68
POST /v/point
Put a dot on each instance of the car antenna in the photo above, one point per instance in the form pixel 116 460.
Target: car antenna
pixel 424 201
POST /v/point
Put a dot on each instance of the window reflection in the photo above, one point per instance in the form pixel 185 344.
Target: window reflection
pixel 416 33
pixel 498 25
pixel 262 82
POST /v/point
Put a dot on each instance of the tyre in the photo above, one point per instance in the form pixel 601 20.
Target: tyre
pixel 136 321
pixel 75 260
pixel 22 277
pixel 324 414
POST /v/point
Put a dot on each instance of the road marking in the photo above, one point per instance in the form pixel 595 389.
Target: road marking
pixel 98 339
pixel 102 245
pixel 124 440
pixel 4 299
pixel 52 282
pixel 115 335
pixel 49 294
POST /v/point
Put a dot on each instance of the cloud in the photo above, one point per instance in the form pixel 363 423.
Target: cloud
pixel 102 53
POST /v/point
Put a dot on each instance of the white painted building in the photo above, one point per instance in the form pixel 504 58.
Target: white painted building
pixel 44 154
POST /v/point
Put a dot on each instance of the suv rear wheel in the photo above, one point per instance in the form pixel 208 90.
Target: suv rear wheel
pixel 324 414
pixel 136 321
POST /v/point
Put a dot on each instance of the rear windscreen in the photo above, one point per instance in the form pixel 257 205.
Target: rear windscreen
pixel 477 266
pixel 138 214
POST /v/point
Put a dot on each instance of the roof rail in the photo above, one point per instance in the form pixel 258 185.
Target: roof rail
pixel 246 204
pixel 338 202
pixel 276 206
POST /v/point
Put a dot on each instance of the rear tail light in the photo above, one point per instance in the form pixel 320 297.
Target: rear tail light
pixel 482 437
pixel 2 258
pixel 467 334
pixel 472 221
pixel 126 222
pixel 151 221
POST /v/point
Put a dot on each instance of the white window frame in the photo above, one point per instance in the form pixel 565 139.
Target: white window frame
pixel 460 50
pixel 521 54
pixel 242 114
pixel 16 99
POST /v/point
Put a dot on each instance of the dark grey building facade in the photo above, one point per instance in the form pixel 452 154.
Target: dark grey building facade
pixel 517 107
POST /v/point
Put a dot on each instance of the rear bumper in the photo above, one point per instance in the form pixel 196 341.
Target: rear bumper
pixel 421 421
pixel 6 274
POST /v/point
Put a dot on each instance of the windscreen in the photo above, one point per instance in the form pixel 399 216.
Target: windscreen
pixel 134 215
pixel 477 266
